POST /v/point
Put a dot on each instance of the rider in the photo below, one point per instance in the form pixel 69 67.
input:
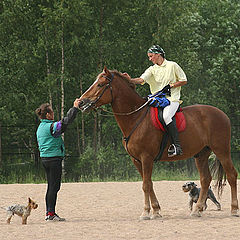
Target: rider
pixel 162 73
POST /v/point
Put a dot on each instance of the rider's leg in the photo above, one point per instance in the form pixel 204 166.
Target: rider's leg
pixel 168 113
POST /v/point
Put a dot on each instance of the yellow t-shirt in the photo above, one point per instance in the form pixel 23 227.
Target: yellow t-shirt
pixel 160 76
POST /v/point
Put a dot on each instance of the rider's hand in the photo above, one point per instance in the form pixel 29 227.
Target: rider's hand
pixel 126 75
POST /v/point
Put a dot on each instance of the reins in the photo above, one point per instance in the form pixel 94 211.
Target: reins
pixel 114 113
pixel 125 114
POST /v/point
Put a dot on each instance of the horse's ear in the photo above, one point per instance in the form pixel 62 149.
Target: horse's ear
pixel 105 70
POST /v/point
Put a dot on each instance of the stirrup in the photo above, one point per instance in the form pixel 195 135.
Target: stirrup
pixel 174 150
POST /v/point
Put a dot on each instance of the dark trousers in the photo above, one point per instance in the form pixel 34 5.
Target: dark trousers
pixel 53 170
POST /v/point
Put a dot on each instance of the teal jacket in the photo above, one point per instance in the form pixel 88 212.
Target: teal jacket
pixel 49 146
pixel 49 137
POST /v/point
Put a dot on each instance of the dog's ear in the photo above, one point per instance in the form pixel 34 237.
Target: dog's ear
pixel 29 200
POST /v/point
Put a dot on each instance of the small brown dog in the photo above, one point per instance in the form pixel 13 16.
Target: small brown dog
pixel 21 211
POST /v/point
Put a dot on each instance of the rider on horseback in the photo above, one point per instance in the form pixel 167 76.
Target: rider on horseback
pixel 158 76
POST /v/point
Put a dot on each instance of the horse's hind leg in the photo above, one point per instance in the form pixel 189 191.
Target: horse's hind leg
pixel 201 161
pixel 231 174
pixel 146 171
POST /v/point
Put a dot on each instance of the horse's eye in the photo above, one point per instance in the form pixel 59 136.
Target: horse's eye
pixel 100 85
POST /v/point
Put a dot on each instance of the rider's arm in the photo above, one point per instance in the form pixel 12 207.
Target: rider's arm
pixel 137 80
pixel 134 80
pixel 181 78
pixel 178 84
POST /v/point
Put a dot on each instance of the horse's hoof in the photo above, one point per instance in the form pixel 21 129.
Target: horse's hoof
pixel 235 213
pixel 195 214
pixel 156 216
pixel 144 218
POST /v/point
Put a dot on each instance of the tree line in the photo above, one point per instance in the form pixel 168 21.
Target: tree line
pixel 52 51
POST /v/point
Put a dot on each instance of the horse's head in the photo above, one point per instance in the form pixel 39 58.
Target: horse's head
pixel 99 93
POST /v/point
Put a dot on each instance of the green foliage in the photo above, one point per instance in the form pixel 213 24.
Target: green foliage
pixel 201 36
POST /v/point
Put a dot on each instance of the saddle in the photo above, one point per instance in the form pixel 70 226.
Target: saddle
pixel 158 123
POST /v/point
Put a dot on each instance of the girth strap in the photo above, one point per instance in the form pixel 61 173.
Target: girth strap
pixel 126 139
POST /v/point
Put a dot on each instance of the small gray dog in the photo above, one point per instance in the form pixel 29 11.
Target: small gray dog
pixel 194 192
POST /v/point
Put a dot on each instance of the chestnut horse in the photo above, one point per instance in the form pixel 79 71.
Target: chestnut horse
pixel 207 130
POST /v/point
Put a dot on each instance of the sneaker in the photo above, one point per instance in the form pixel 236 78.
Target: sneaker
pixel 54 218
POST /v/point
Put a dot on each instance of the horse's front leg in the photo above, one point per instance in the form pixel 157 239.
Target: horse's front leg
pixel 149 195
pixel 155 205
pixel 146 213
pixel 145 170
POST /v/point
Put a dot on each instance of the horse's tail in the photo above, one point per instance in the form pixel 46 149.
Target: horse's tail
pixel 218 172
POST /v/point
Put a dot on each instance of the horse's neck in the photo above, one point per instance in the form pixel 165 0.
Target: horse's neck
pixel 125 104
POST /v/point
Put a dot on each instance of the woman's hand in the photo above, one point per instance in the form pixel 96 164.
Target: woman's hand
pixel 76 103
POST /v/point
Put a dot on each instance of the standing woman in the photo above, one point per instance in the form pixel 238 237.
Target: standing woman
pixel 52 151
pixel 161 74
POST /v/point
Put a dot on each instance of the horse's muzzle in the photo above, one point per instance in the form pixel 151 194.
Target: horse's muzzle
pixel 85 104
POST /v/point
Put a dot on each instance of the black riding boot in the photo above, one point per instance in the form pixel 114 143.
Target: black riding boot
pixel 175 148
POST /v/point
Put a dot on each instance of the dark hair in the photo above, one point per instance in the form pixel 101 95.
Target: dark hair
pixel 43 110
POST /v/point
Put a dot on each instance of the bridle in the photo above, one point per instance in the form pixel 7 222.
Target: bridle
pixel 108 85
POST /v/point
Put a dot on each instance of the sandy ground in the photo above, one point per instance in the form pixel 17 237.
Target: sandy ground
pixel 111 211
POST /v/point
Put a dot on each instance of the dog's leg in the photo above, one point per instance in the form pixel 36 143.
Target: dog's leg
pixel 190 204
pixel 9 218
pixel 24 219
pixel 213 199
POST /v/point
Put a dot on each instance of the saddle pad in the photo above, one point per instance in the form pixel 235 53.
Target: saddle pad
pixel 180 120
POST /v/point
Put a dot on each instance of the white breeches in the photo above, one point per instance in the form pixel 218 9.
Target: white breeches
pixel 169 111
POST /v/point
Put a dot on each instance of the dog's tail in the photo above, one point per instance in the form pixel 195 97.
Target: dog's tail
pixel 5 208
pixel 218 172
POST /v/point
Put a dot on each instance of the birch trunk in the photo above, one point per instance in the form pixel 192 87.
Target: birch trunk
pixel 97 119
pixel 83 125
pixel 48 66
pixel 62 91
pixel 0 145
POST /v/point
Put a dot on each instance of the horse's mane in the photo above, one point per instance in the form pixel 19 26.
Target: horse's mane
pixel 119 74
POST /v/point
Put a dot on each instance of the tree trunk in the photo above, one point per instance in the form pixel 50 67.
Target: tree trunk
pixel 97 119
pixel 95 134
pixel 100 61
pixel 48 67
pixel 0 146
pixel 99 131
pixel 48 73
pixel 83 133
pixel 78 140
pixel 36 151
pixel 62 90
pixel 83 126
